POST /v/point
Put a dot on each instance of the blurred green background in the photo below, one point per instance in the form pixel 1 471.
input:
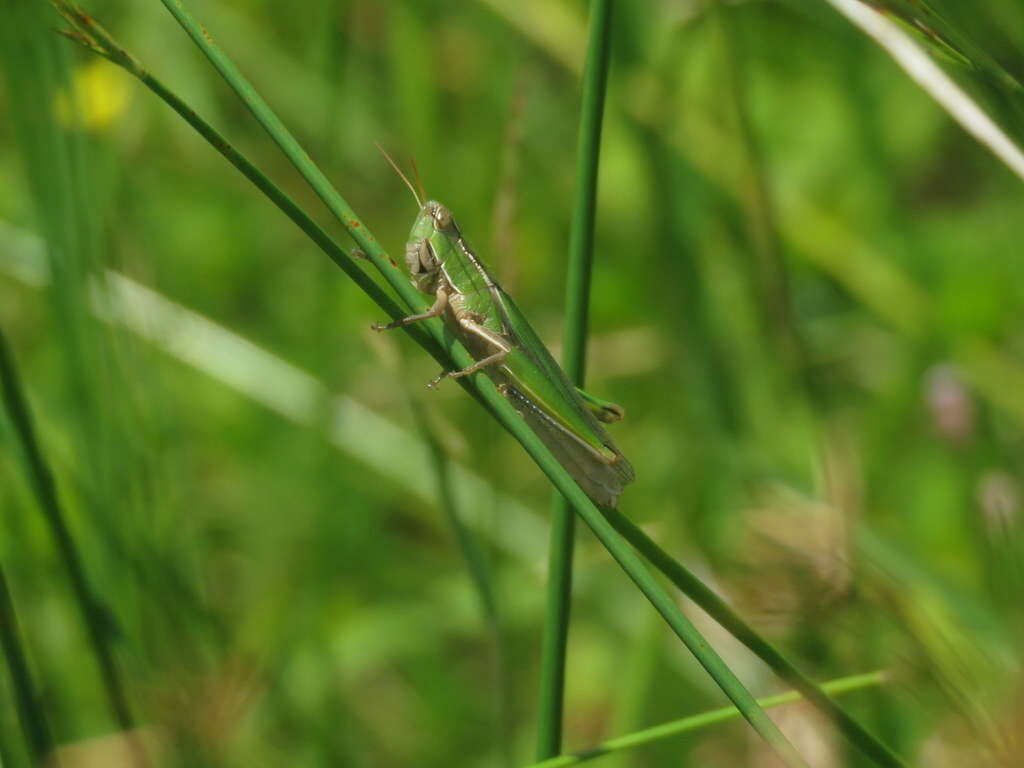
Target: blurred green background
pixel 807 297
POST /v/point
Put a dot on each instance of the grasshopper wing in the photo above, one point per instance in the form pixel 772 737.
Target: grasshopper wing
pixel 536 385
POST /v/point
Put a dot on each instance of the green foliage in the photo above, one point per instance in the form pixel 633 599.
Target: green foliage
pixel 805 295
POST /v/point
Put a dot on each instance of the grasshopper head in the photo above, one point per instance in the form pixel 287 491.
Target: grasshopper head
pixel 440 216
pixel 420 255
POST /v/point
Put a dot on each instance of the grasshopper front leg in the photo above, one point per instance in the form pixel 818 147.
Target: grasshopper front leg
pixel 436 310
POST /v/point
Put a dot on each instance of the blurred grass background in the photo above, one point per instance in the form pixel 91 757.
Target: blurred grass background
pixel 807 296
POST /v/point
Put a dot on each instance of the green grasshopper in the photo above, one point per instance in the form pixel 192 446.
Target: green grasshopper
pixel 504 346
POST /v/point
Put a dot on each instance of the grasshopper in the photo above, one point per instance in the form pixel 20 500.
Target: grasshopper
pixel 506 348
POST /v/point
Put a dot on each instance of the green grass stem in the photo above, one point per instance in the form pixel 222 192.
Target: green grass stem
pixel 703 720
pixel 577 301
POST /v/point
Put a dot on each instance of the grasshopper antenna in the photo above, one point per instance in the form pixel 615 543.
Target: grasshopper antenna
pixel 401 175
pixel 416 175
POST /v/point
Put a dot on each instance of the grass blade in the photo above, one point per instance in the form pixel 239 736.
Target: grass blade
pixel 41 479
pixel 930 76
pixel 30 714
pixel 577 300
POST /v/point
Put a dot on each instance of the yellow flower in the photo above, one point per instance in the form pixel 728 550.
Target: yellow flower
pixel 100 96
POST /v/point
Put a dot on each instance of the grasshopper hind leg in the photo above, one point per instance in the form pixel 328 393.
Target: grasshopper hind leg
pixel 603 410
pixel 497 357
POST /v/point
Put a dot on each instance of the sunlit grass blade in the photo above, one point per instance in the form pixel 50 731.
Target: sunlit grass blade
pixel 930 76
pixel 945 39
pixel 577 292
pixel 692 723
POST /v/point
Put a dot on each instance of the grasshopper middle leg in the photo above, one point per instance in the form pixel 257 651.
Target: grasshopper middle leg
pixel 472 326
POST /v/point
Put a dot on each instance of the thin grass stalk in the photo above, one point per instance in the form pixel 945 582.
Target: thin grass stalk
pixel 703 720
pixel 485 392
pixel 502 250
pixel 555 640
pixel 41 479
pixel 31 715
pixel 577 301
pixel 716 608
